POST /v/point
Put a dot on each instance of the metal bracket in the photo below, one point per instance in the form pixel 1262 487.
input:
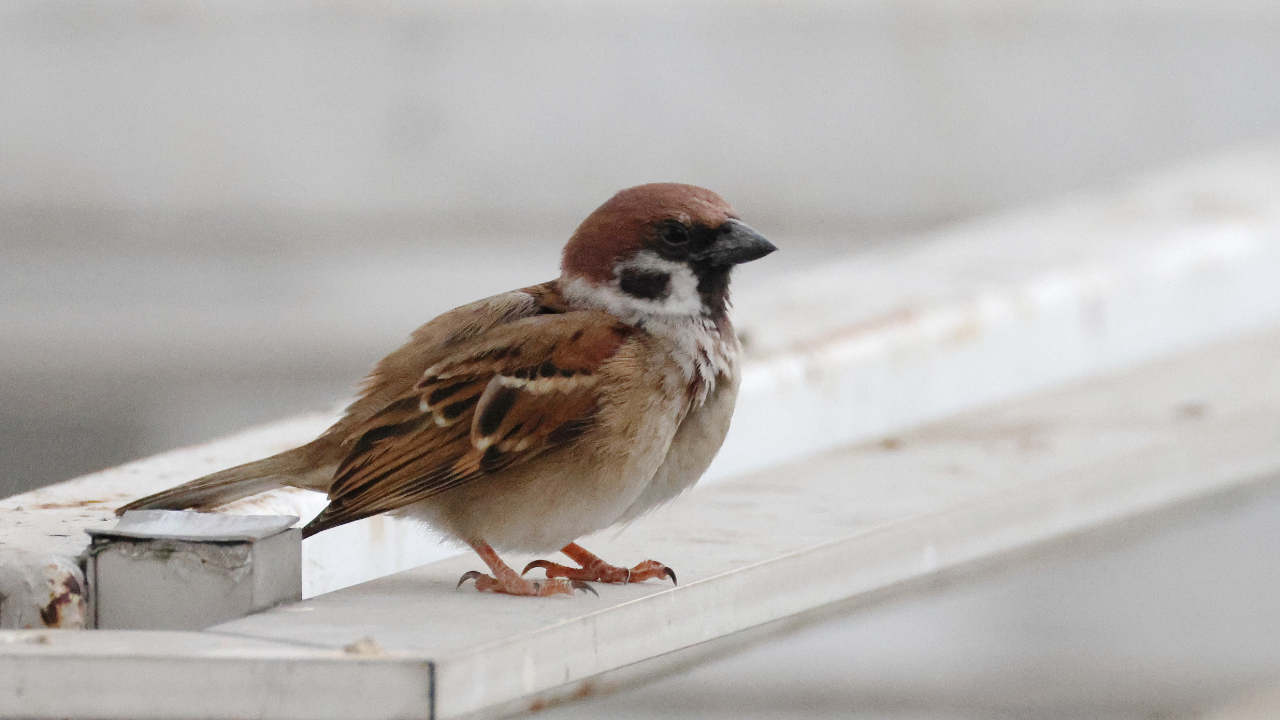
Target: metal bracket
pixel 168 570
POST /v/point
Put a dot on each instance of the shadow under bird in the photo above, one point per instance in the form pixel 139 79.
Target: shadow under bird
pixel 526 420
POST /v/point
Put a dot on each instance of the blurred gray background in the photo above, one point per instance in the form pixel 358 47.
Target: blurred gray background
pixel 216 214
pixel 219 214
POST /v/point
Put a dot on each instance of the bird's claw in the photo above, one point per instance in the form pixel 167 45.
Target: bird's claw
pixel 537 563
pixel 511 584
pixel 605 573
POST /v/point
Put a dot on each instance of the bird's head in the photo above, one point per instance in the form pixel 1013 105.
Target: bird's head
pixel 659 249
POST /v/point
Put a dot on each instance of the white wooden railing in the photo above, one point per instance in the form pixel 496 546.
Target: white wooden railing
pixel 904 415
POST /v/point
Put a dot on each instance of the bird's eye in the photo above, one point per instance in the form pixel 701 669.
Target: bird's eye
pixel 675 233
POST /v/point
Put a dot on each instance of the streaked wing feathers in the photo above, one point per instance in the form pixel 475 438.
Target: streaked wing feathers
pixel 500 399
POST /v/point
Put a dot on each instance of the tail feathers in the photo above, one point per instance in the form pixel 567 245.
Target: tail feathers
pixel 223 487
pixel 331 517
pixel 319 524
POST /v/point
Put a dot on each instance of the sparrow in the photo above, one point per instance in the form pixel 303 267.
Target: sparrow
pixel 526 420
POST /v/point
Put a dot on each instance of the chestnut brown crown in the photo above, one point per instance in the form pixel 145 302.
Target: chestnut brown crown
pixel 623 224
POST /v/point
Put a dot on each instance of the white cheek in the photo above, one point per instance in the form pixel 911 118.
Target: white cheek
pixel 682 296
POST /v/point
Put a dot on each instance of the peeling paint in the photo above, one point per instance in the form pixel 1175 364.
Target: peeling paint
pixel 41 592
pixel 187 558
pixel 66 606
pixel 364 647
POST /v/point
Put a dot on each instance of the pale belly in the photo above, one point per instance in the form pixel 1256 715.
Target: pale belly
pixel 692 449
pixel 558 497
pixel 543 507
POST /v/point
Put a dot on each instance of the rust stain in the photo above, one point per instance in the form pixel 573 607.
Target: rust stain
pixel 1031 435
pixel 64 506
pixel 66 607
pixel 1192 410
pixel 968 329
pixel 1025 436
pixel 582 690
pixel 364 647
pixel 901 316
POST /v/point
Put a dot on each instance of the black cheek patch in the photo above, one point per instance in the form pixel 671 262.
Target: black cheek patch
pixel 644 284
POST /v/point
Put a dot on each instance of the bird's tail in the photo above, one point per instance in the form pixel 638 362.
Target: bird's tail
pixel 241 481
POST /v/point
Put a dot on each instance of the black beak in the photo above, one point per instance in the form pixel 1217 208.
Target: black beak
pixel 735 244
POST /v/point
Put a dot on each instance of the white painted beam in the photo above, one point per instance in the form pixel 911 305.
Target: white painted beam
pixel 1002 306
pixel 863 347
pixel 867 521
pixel 132 675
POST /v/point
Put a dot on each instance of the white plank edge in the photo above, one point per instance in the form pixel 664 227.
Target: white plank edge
pixel 866 520
pixel 131 675
pixel 761 548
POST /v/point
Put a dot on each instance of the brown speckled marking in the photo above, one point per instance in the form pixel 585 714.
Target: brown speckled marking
pixel 66 607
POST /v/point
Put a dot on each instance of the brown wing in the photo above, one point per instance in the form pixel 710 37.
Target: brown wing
pixel 494 401
pixel 396 374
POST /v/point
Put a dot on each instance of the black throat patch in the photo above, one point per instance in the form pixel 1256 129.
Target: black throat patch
pixel 645 284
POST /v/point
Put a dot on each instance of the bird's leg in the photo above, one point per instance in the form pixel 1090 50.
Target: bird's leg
pixel 596 570
pixel 505 580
